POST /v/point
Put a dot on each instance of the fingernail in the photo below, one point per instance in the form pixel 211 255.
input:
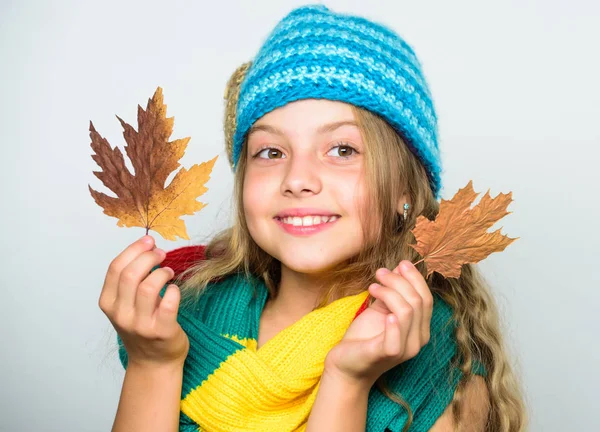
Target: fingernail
pixel 146 239
pixel 407 265
pixel 384 271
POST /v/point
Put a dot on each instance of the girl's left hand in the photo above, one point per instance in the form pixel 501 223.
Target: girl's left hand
pixel 391 330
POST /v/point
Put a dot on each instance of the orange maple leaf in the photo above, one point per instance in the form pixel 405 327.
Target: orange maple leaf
pixel 458 235
pixel 142 199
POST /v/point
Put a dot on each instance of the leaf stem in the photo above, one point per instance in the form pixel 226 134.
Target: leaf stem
pixel 420 261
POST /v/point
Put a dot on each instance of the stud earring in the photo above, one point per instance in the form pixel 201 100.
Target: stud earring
pixel 406 207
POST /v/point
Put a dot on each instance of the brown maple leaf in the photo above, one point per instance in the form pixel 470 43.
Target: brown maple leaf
pixel 142 199
pixel 458 235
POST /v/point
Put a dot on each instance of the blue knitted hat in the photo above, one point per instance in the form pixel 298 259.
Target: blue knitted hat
pixel 314 53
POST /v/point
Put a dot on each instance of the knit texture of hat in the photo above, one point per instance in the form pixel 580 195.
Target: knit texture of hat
pixel 319 54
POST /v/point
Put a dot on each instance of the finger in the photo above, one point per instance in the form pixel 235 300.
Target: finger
pixel 111 281
pixel 134 273
pixel 397 305
pixel 392 342
pixel 146 298
pixel 379 305
pixel 409 293
pixel 414 276
pixel 166 315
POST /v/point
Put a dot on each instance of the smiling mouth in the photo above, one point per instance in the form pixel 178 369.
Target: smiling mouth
pixel 305 221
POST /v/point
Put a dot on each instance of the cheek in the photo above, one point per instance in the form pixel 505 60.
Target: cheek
pixel 250 200
pixel 352 193
pixel 253 197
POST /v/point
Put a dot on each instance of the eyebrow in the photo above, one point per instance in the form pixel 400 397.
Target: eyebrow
pixel 329 127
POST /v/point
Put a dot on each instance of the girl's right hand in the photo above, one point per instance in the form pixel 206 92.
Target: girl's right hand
pixel 130 298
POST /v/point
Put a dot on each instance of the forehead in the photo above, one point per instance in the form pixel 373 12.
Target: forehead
pixel 307 114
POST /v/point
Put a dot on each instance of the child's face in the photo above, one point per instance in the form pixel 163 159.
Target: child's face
pixel 304 164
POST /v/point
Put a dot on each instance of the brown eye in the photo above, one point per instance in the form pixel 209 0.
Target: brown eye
pixel 342 151
pixel 270 153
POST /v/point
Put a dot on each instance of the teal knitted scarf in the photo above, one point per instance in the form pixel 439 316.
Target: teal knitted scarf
pixel 223 326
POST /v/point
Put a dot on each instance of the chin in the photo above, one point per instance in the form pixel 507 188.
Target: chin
pixel 308 266
pixel 310 256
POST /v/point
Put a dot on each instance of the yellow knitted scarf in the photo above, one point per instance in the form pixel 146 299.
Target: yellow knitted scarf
pixel 271 388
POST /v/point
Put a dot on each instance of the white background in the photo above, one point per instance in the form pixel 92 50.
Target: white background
pixel 516 89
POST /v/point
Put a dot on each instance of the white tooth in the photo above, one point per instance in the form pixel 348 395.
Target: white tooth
pixel 332 218
pixel 289 220
pixel 316 220
pixel 297 221
pixel 324 219
pixel 307 220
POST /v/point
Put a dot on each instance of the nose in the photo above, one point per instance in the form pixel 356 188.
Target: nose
pixel 302 177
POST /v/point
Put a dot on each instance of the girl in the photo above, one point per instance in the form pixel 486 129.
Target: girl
pixel 291 320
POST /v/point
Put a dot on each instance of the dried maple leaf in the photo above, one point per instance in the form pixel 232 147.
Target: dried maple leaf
pixel 142 199
pixel 458 235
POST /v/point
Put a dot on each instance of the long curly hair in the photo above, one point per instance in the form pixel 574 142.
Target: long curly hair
pixel 392 171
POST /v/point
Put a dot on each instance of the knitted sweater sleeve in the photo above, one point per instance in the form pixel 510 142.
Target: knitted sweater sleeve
pixel 427 381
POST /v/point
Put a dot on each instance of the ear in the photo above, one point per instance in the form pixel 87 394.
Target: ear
pixel 400 206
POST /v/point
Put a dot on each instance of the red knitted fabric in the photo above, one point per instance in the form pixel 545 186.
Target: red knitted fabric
pixel 181 258
pixel 362 307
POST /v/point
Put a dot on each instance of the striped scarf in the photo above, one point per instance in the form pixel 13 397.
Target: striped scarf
pixel 230 385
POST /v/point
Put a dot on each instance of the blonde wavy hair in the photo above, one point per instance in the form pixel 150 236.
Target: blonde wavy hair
pixel 392 171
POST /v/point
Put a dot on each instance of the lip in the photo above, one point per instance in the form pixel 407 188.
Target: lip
pixel 303 231
pixel 301 212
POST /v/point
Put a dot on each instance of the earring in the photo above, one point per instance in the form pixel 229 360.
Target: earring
pixel 406 207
